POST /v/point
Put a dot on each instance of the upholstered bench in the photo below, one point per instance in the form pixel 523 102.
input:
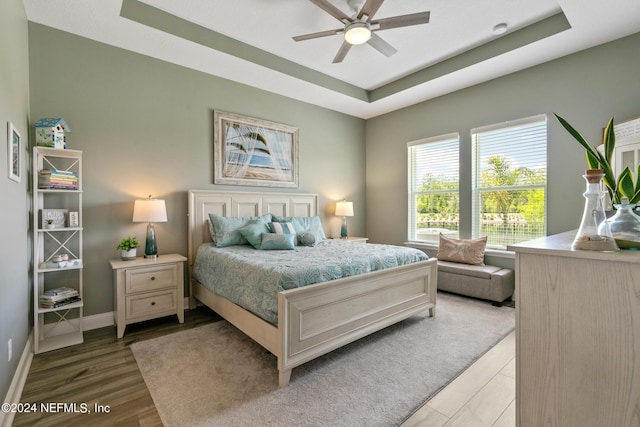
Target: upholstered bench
pixel 480 281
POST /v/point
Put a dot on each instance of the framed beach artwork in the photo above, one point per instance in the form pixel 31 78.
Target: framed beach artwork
pixel 14 154
pixel 254 152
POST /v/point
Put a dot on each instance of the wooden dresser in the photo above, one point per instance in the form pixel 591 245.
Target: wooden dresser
pixel 577 335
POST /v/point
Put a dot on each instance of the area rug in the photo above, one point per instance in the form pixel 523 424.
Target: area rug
pixel 214 375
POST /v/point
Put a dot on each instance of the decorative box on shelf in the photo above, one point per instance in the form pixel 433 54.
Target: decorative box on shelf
pixel 50 132
pixel 53 218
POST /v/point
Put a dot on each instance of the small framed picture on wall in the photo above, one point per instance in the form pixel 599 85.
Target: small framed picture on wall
pixel 14 157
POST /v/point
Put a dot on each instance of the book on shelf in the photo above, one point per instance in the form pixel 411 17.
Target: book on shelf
pixel 60 303
pixel 56 179
pixel 57 297
pixel 52 299
pixel 63 290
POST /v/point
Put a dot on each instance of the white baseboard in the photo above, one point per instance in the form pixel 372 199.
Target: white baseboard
pixel 88 323
pixel 95 321
pixel 17 384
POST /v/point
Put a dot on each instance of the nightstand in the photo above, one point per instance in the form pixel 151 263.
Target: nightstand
pixel 353 239
pixel 146 289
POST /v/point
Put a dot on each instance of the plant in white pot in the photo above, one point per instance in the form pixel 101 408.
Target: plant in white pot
pixel 128 247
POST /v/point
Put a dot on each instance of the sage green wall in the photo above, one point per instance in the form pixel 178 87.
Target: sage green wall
pixel 586 88
pixel 14 249
pixel 146 127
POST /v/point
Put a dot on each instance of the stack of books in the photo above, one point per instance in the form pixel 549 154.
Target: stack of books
pixel 59 297
pixel 57 179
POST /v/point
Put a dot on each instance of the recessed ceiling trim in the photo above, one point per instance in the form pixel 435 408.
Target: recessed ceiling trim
pixel 158 19
pixel 163 21
pixel 537 31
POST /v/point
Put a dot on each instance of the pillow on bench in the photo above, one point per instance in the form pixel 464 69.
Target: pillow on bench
pixel 465 251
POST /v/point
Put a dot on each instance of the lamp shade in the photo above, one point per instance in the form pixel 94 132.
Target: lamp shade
pixel 149 210
pixel 344 208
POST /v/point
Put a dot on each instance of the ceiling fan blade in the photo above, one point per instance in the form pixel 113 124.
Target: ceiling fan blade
pixel 319 34
pixel 342 52
pixel 402 20
pixel 380 45
pixel 370 8
pixel 331 10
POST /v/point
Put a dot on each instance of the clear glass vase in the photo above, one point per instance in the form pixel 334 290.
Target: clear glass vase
pixel 625 226
pixel 591 235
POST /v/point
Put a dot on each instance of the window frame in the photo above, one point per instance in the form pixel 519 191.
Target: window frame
pixel 477 190
pixel 413 194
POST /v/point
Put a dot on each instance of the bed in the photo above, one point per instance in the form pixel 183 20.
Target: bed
pixel 315 319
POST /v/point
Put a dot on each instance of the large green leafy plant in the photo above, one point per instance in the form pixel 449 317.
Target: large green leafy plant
pixel 618 187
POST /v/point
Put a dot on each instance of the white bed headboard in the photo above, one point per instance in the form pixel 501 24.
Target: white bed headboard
pixel 240 204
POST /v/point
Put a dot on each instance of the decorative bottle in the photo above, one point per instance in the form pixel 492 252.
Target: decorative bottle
pixel 591 236
pixel 625 226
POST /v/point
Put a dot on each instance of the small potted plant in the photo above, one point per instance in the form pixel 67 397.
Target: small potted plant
pixel 128 248
pixel 49 223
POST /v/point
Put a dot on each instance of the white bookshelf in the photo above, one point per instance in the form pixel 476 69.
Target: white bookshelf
pixel 59 327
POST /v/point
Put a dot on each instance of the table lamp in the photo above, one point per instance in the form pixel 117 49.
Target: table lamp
pixel 150 211
pixel 344 209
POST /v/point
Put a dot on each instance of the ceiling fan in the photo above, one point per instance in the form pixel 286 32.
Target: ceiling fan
pixel 360 27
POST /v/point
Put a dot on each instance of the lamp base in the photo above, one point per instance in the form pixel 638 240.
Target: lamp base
pixel 151 246
pixel 343 229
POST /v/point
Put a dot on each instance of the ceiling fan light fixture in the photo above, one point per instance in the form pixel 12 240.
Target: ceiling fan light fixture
pixel 357 33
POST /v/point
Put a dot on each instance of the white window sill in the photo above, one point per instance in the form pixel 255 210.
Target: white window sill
pixel 498 253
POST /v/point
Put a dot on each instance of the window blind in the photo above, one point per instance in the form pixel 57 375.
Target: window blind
pixel 433 187
pixel 509 180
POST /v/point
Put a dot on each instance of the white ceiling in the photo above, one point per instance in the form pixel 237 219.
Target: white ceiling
pixel 456 49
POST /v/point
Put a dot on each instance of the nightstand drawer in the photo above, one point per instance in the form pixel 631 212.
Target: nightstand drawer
pixel 151 278
pixel 150 304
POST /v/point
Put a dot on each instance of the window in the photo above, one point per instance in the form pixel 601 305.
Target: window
pixel 509 181
pixel 433 187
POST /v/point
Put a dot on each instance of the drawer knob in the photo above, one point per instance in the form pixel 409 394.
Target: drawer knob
pixel 153 303
pixel 153 277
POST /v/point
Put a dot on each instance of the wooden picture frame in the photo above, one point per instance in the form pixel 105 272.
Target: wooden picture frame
pixel 14 153
pixel 254 152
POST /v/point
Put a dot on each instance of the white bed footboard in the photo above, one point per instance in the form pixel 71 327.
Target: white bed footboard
pixel 316 319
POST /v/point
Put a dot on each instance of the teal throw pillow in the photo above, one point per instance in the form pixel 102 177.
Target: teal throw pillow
pixel 273 241
pixel 253 231
pixel 227 232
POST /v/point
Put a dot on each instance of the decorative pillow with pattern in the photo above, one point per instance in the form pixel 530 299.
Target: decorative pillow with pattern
pixel 226 229
pixel 253 231
pixel 465 251
pixel 212 231
pixel 274 241
pixel 303 223
pixel 308 238
pixel 282 228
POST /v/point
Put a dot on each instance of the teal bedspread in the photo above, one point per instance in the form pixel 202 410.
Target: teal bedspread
pixel 252 278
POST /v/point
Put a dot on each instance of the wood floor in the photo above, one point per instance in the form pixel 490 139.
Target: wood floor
pixel 102 371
